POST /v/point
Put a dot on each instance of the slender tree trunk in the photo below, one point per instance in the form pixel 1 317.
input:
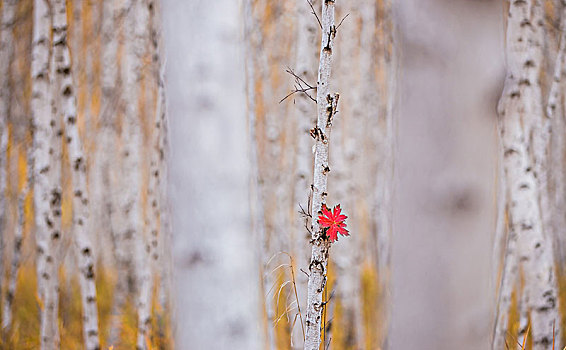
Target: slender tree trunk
pixel 326 109
pixel 47 173
pixel 17 249
pixel 6 56
pixel 522 116
pixel 64 90
pixel 136 40
pixel 106 179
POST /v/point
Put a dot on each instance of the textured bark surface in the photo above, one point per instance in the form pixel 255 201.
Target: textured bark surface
pixel 326 108
pixel 64 91
pixel 47 169
pixel 524 156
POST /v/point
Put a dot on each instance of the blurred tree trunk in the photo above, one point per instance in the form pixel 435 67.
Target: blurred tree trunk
pixel 65 91
pixel 6 55
pixel 525 149
pixel 213 248
pixel 133 233
pixel 101 180
pixel 7 316
pixel 252 37
pixel 326 108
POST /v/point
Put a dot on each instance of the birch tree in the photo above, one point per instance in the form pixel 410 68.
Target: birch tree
pixel 64 90
pixel 521 120
pixel 6 55
pixel 47 173
pixel 326 109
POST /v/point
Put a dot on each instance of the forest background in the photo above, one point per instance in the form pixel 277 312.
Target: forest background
pixel 156 165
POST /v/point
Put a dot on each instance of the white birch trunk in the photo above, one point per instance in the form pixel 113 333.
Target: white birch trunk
pixel 47 174
pixel 326 108
pixel 65 90
pixel 6 56
pixel 522 114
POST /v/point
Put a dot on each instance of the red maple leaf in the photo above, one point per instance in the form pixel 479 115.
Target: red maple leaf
pixel 333 222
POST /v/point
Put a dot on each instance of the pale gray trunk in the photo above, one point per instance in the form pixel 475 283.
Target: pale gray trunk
pixel 326 108
pixel 105 181
pixel 133 232
pixel 213 247
pixel 522 118
pixel 555 111
pixel 65 90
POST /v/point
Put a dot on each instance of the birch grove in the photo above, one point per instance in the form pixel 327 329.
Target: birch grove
pixel 302 174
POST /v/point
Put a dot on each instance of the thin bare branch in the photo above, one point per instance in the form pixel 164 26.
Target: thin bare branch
pixel 314 13
pixel 342 20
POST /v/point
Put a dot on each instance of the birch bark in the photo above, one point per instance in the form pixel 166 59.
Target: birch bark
pixel 326 108
pixel 47 194
pixel 64 89
pixel 6 56
pixel 521 116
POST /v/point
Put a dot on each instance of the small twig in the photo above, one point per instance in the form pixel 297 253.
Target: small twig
pixel 300 86
pixel 306 273
pixel 343 18
pixel 303 212
pixel 314 13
